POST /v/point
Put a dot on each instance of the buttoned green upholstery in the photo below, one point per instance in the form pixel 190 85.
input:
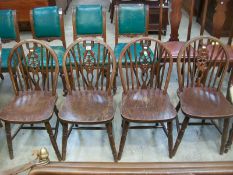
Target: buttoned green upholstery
pixel 46 22
pixel 131 19
pixel 89 19
pixel 7 25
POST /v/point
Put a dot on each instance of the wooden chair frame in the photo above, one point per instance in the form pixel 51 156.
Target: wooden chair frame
pixel 181 85
pixel 76 36
pixel 26 88
pixel 75 125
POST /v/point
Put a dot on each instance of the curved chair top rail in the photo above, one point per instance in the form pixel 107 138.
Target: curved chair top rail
pixel 147 63
pixel 202 62
pixel 33 66
pixel 92 63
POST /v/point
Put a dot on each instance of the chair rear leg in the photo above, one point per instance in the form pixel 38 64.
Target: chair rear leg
pixel 9 139
pixel 123 138
pixel 230 139
pixel 52 139
pixel 180 134
pixel 64 139
pixel 170 138
pixel 111 140
pixel 63 83
pixel 224 135
pixel 57 122
pixel 177 119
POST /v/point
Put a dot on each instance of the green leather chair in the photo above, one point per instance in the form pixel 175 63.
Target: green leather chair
pixel 9 31
pixel 47 23
pixel 131 20
pixel 89 21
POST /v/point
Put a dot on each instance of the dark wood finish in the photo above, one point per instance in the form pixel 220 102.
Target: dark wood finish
pixel 213 6
pixel 75 35
pixel 200 77
pixel 104 168
pixel 34 85
pixel 145 80
pixel 89 77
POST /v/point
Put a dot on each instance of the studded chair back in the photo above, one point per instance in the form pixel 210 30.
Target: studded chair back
pixel 89 20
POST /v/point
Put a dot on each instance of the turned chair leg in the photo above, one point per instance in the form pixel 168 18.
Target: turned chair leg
pixel 177 119
pixel 64 139
pixel 53 141
pixel 111 140
pixel 170 138
pixel 123 138
pixel 224 135
pixel 230 139
pixel 180 135
pixel 9 139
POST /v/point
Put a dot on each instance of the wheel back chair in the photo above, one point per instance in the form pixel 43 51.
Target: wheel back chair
pixel 200 74
pixel 89 82
pixel 47 24
pixel 145 79
pixel 9 31
pixel 34 81
pixel 132 20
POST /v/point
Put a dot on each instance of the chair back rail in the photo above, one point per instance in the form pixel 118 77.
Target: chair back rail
pixel 205 65
pixel 30 71
pixel 89 64
pixel 92 12
pixel 149 66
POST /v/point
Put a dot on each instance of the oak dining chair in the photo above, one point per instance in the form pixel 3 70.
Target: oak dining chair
pixel 202 64
pixel 89 82
pixel 34 82
pixel 145 77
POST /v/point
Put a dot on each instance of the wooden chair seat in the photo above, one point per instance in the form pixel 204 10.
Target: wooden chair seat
pixel 29 107
pixel 174 47
pixel 87 107
pixel 205 103
pixel 147 106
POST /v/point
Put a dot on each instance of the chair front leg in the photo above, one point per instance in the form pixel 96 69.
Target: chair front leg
pixel 64 139
pixel 123 138
pixel 170 138
pixel 180 134
pixel 230 139
pixel 57 122
pixel 9 139
pixel 111 140
pixel 224 135
pixel 53 141
pixel 177 119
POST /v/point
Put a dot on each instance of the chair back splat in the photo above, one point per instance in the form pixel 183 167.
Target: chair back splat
pixel 147 66
pixel 33 71
pixel 205 64
pixel 88 68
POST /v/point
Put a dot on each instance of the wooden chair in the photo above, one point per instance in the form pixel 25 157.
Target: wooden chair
pixel 34 81
pixel 145 80
pixel 174 44
pixel 47 24
pixel 9 31
pixel 89 82
pixel 93 27
pixel 200 79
